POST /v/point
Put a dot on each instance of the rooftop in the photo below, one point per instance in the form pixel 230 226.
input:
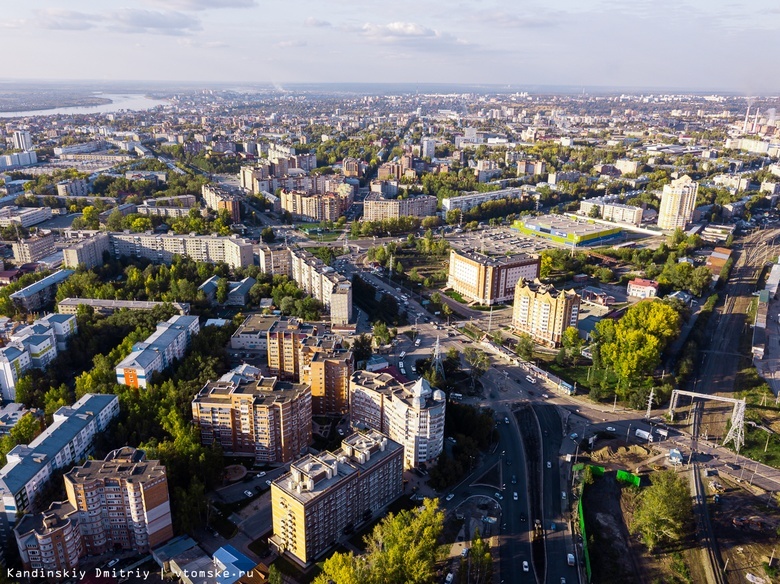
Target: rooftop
pixel 49 280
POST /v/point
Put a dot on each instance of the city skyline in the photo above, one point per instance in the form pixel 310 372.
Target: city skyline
pixel 597 43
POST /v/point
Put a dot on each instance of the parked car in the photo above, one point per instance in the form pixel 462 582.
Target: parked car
pixel 450 497
pixel 525 566
pixel 249 493
pixel 499 497
pixel 610 428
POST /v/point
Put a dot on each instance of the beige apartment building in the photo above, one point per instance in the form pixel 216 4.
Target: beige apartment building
pixel 410 413
pixel 377 207
pixel 87 252
pixel 286 338
pixel 33 249
pixel 544 312
pixel 678 200
pixel 251 415
pixel 325 494
pixel 233 250
pixel 312 207
pixel 218 199
pixel 50 540
pixel 328 373
pixel 489 280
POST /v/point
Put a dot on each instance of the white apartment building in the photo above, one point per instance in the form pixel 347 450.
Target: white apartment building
pixel 233 250
pixel 678 200
pixel 412 413
pixel 610 209
pixel 68 439
pixel 73 188
pixel 24 216
pixel 87 252
pixel 469 201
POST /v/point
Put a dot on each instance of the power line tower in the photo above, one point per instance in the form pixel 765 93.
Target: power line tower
pixel 436 362
pixel 737 431
pixel 650 404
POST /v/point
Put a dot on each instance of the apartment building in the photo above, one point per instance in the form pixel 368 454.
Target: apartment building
pixel 489 279
pixel 73 188
pixel 252 334
pixel 40 293
pixel 122 502
pixel 24 216
pixel 376 207
pixel 71 305
pixel 34 248
pixel 544 312
pixel 14 361
pixel 469 201
pixel 219 199
pixel 285 340
pixel 87 252
pixel 22 140
pixel 325 494
pixel 410 413
pixel 50 541
pixel 68 439
pixel 255 416
pixel 641 288
pixel 350 167
pixel 233 250
pixel 610 209
pixel 327 372
pixel 678 201
pixel 314 277
pixel 158 351
pixel 312 206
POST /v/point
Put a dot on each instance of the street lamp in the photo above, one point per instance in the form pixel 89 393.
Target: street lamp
pixel 628 432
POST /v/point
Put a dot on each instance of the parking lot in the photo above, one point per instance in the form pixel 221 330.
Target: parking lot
pixel 497 241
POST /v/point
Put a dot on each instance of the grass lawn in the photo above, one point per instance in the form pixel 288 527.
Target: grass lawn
pixel 455 296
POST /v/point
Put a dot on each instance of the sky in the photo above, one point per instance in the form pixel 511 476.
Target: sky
pixel 683 44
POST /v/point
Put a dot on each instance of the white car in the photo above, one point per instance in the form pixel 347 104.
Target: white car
pixel 248 493
pixel 514 495
pixel 549 464
pixel 530 379
pixel 610 428
pixel 525 566
pixel 563 495
pixel 261 473
pixel 499 497
pixel 417 343
pixel 113 563
pixel 450 497
pixel 402 355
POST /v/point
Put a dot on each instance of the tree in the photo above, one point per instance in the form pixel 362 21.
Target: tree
pixel 545 266
pixel 595 212
pixel 480 561
pixel 664 510
pixel 381 333
pixel 91 217
pixel 478 362
pixel 525 347
pixel 572 343
pixel 141 224
pixel 222 290
pixel 361 347
pixel 447 311
pixel 274 575
pixel 114 221
pixel 268 235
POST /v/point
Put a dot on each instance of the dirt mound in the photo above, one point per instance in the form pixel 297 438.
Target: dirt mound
pixel 627 453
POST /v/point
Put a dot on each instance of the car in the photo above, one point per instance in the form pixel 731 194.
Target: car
pixel 465 552
pixel 530 379
pixel 523 518
pixel 402 355
pixel 268 482
pixel 213 532
pixel 506 420
pixel 417 343
pixel 574 435
pixel 563 580
pixel 514 479
pixel 525 566
pixel 514 495
pixel 113 563
pixel 549 464
pixel 450 497
pixel 563 495
pixel 546 396
pixel 414 369
pixel 249 493
pixel 451 439
pixel 611 429
pixel 261 473
pixel 498 496
pixel 341 432
pixel 552 527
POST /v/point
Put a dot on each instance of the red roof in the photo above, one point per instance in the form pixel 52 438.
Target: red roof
pixel 644 283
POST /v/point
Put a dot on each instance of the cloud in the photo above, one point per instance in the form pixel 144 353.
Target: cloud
pixel 291 44
pixel 58 19
pixel 506 20
pixel 195 44
pixel 196 5
pixel 316 23
pixel 134 21
pixel 409 34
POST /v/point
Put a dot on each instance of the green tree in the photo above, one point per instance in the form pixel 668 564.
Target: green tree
pixel 222 290
pixel 572 343
pixel 480 561
pixel 525 347
pixel 381 333
pixel 268 235
pixel 546 265
pixel 141 224
pixel 664 510
pixel 114 221
pixel 91 217
pixel 361 347
pixel 478 363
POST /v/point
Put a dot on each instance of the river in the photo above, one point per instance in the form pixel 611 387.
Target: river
pixel 119 101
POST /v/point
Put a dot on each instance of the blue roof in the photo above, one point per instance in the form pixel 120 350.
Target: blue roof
pixel 52 440
pixel 236 564
pixel 11 352
pixel 56 317
pixel 210 285
pixel 50 280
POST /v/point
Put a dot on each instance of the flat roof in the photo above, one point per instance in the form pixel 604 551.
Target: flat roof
pixel 50 280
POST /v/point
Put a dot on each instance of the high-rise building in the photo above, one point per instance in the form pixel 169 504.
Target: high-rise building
pixel 489 279
pixel 286 338
pixel 351 167
pixel 68 439
pixel 34 248
pixel 40 293
pixel 51 540
pixel 87 252
pixel 678 201
pixel 218 199
pixel 251 415
pixel 544 312
pixel 122 502
pixel 233 250
pixel 313 206
pixel 73 188
pixel 158 351
pixel 325 494
pixel 410 413
pixel 328 373
pixel 428 148
pixel 22 140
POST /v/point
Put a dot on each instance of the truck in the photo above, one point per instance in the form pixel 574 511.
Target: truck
pixel 570 559
pixel 644 434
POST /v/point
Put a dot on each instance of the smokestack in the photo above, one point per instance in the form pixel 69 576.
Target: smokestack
pixel 755 121
pixel 747 115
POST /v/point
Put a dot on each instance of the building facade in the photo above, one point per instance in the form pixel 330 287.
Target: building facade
pixel 87 252
pixel 325 494
pixel 678 200
pixel 233 250
pixel 641 288
pixel 328 374
pixel 218 199
pixel 489 280
pixel 376 207
pixel 610 209
pixel 34 248
pixel 40 293
pixel 544 312
pixel 410 413
pixel 24 216
pixel 255 416
pixel 50 540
